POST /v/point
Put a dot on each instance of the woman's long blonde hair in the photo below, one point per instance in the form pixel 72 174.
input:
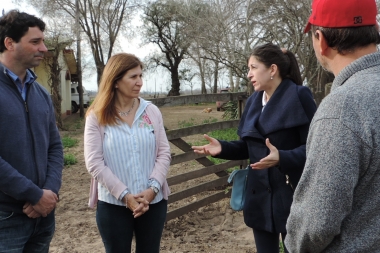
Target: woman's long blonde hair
pixel 104 103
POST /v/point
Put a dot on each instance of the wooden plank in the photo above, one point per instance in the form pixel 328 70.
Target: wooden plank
pixel 188 156
pixel 197 189
pixel 196 205
pixel 181 144
pixel 203 172
pixel 194 99
pixel 184 146
pixel 201 129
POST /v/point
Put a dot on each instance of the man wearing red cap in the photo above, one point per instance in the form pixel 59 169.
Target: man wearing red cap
pixel 336 206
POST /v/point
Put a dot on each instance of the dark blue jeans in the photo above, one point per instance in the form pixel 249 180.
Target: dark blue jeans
pixel 267 242
pixel 19 233
pixel 116 225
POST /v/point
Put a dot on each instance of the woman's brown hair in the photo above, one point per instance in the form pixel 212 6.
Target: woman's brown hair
pixel 104 103
pixel 285 60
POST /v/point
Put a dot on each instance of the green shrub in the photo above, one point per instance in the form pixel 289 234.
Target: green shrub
pixel 230 110
pixel 69 159
pixel 68 142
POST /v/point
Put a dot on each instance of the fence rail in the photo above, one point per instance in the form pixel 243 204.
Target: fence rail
pixel 175 137
pixel 195 99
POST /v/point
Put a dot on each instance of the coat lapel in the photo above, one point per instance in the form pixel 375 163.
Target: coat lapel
pixel 281 112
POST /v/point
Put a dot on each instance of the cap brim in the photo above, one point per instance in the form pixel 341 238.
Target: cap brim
pixel 307 28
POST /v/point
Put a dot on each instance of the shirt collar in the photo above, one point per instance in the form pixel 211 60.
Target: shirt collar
pixel 264 101
pixel 29 78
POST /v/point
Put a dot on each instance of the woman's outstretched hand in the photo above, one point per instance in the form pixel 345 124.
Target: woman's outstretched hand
pixel 213 148
pixel 271 160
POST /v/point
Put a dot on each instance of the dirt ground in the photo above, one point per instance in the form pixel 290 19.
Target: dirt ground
pixel 213 228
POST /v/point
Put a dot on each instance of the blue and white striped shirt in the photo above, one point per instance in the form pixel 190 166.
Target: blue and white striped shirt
pixel 130 153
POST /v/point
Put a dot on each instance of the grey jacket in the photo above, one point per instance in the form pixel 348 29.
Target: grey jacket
pixel 336 206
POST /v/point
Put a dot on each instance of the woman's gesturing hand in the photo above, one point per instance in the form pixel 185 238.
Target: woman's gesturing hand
pixel 271 160
pixel 213 148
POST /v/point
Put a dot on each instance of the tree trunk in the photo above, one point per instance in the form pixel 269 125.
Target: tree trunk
pixel 54 82
pixel 174 91
pixel 202 77
pixel 231 78
pixel 216 73
pixel 237 83
pixel 99 70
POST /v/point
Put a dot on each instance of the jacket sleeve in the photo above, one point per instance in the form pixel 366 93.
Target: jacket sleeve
pixel 93 155
pixel 324 195
pixel 295 158
pixel 17 185
pixel 233 150
pixel 55 157
pixel 163 157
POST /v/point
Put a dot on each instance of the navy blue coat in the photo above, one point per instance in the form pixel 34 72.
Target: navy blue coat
pixel 285 121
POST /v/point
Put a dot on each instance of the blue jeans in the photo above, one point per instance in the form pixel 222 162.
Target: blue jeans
pixel 21 234
pixel 117 225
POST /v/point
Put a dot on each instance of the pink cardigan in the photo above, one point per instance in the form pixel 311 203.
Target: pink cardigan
pixel 93 154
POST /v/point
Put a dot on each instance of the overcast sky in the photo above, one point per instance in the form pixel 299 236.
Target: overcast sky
pixel 152 81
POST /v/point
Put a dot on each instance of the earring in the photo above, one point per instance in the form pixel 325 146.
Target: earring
pixel 271 77
pixel 116 86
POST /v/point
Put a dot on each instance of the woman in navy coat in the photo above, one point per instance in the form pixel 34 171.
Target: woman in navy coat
pixel 273 131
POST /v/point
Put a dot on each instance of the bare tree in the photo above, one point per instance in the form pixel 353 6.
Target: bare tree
pixel 223 33
pixel 283 22
pixel 100 20
pixel 164 27
pixel 187 76
pixel 55 43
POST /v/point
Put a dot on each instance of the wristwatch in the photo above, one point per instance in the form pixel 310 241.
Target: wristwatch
pixel 154 189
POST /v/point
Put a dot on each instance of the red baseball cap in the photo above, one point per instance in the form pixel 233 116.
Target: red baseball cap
pixel 342 13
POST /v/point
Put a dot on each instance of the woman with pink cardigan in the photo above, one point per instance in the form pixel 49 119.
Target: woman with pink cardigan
pixel 128 156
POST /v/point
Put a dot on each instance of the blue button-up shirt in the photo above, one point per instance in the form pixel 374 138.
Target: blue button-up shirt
pixel 29 79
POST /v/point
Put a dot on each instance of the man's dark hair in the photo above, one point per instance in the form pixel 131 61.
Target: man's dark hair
pixel 15 25
pixel 347 39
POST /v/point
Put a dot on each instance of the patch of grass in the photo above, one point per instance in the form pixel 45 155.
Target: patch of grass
pixel 78 124
pixel 216 160
pixel 184 123
pixel 69 159
pixel 198 143
pixel 225 134
pixel 68 142
pixel 209 120
pixel 192 122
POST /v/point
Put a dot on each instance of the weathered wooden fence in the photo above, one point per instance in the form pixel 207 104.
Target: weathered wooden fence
pixel 175 137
